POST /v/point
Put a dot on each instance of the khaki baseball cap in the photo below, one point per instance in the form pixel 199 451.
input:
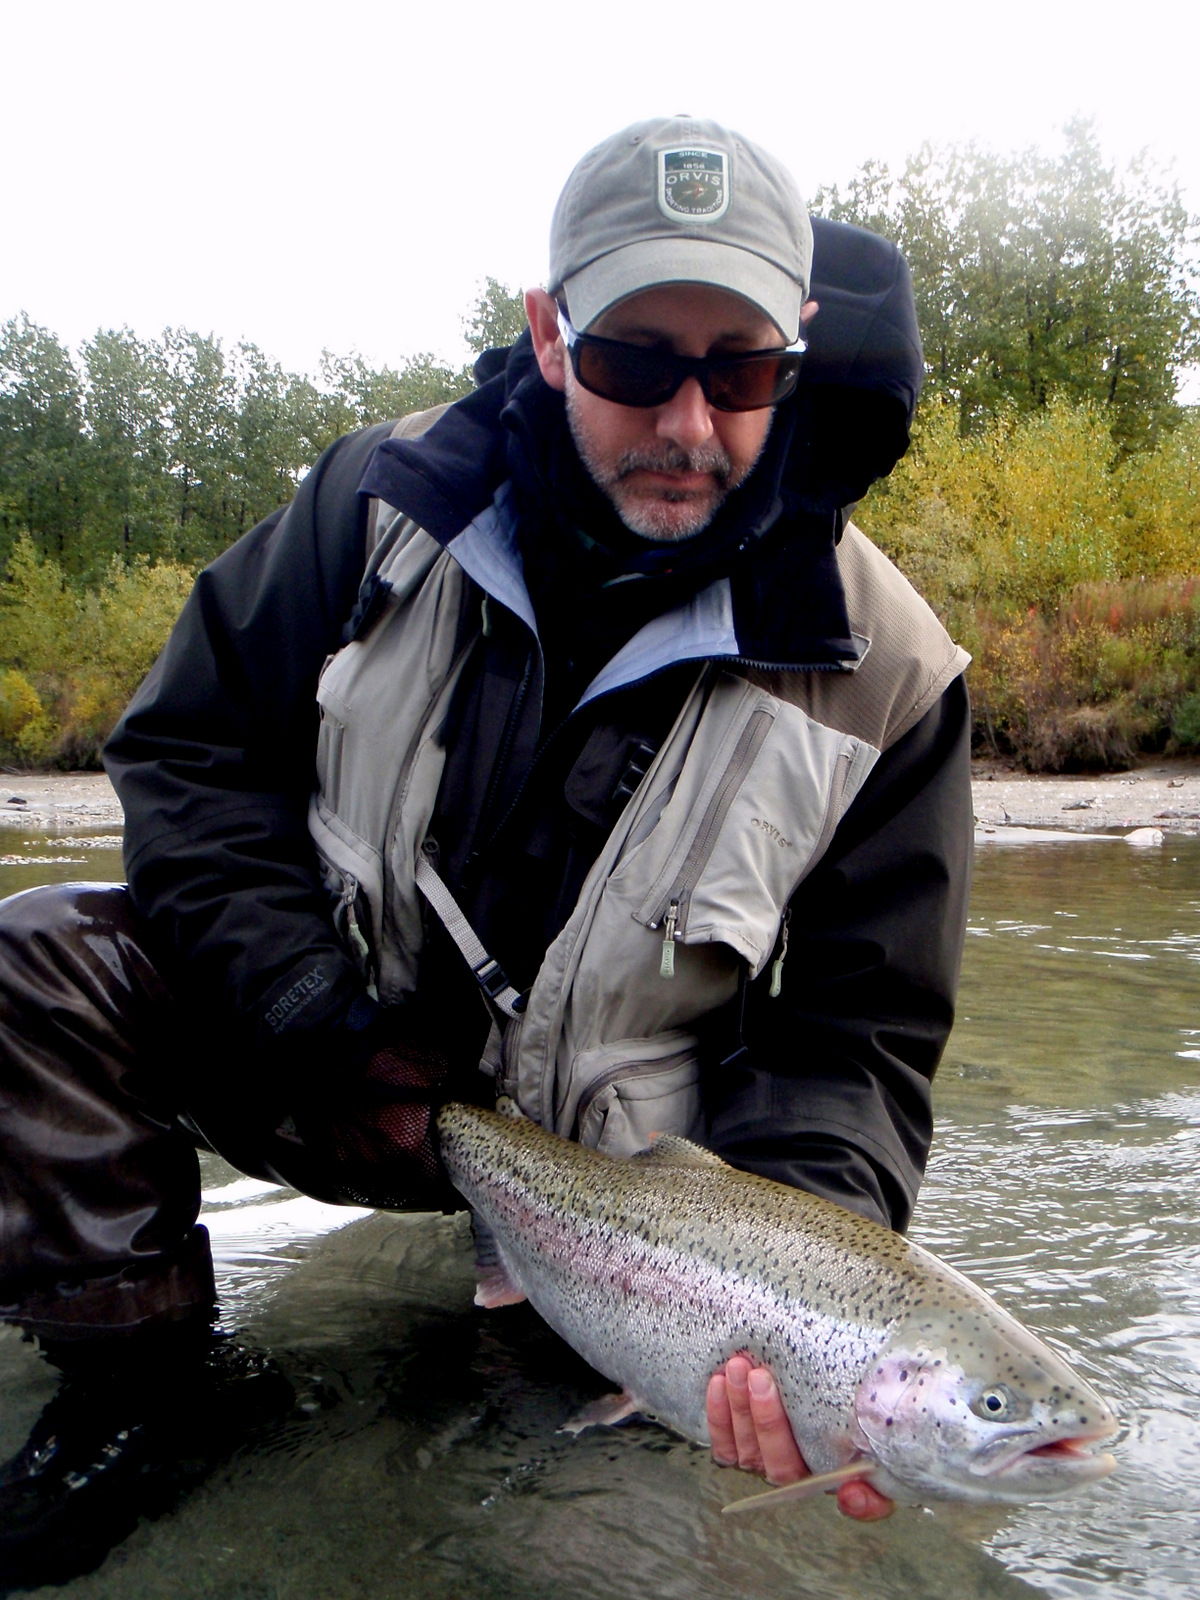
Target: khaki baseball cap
pixel 681 200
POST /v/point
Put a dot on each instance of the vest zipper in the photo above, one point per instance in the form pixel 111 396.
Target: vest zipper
pixel 548 739
pixel 666 966
pixel 673 914
pixel 776 988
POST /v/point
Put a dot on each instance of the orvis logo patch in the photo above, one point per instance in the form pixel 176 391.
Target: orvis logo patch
pixel 693 185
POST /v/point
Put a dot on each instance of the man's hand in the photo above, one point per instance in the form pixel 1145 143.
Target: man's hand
pixel 749 1428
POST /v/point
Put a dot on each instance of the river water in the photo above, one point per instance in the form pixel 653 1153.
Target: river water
pixel 422 1458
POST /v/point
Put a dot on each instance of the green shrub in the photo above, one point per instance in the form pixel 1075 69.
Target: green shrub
pixel 1036 504
pixel 26 732
pixel 1093 681
pixel 79 653
pixel 1185 723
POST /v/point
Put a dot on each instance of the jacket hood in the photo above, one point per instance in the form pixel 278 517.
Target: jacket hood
pixel 849 418
pixel 862 375
pixel 774 540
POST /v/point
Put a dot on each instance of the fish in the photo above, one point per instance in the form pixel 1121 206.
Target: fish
pixel 892 1365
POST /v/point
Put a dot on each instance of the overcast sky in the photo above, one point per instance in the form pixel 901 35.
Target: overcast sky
pixel 345 176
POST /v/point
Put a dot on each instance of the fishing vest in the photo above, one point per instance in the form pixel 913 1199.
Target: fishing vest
pixel 688 897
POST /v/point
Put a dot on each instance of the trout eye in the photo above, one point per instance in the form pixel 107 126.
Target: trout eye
pixel 997 1404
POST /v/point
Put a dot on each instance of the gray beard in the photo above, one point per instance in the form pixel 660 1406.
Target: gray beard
pixel 650 517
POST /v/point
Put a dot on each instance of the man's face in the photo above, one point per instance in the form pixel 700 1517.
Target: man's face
pixel 668 468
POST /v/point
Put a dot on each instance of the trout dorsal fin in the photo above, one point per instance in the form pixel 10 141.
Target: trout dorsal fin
pixel 671 1149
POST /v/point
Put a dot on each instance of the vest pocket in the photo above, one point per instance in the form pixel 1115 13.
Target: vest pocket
pixel 744 831
pixel 632 1089
pixel 352 874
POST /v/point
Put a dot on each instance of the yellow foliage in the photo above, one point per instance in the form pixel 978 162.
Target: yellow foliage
pixel 1091 682
pixel 19 703
pixel 80 653
pixel 1159 497
pixel 26 731
pixel 1035 504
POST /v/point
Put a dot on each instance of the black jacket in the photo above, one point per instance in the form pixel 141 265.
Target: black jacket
pixel 828 1087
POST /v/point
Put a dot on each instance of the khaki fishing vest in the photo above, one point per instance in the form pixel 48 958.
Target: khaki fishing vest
pixel 692 886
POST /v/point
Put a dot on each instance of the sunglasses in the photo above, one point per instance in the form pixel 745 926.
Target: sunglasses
pixel 640 375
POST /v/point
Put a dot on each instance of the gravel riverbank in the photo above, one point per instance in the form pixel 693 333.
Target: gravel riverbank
pixel 1162 794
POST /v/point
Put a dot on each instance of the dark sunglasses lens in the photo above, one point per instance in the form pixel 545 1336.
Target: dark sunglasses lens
pixel 631 376
pixel 623 373
pixel 753 384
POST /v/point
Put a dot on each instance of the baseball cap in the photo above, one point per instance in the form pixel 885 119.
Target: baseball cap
pixel 681 200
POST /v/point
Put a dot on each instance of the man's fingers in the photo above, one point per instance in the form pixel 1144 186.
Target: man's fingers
pixel 749 1428
pixel 777 1449
pixel 865 1504
pixel 746 1449
pixel 720 1422
pixel 730 1426
pixel 747 1424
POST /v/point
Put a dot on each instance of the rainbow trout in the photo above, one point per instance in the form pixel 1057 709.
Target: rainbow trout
pixel 892 1366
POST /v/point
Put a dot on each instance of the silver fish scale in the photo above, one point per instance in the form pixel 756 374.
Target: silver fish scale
pixel 656 1270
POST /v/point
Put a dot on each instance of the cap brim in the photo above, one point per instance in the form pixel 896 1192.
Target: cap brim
pixel 651 263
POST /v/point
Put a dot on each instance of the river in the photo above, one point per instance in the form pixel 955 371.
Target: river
pixel 422 1459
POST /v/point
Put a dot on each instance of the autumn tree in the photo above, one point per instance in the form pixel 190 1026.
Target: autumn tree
pixel 127 491
pixel 1040 275
pixel 42 447
pixel 497 318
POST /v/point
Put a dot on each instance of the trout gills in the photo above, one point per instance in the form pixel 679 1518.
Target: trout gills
pixel 892 1366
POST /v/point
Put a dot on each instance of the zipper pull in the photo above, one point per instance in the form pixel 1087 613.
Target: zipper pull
pixel 355 935
pixel 353 932
pixel 777 965
pixel 666 967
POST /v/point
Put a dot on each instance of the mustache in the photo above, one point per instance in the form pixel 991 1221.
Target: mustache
pixel 674 458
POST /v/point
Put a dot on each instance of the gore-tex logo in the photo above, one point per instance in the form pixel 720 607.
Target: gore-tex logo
pixel 306 987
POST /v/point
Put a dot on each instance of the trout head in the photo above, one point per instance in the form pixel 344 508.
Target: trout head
pixel 992 1414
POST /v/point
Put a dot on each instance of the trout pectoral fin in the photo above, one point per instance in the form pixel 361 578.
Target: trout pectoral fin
pixel 492 1289
pixel 604 1413
pixel 805 1488
pixel 493 1285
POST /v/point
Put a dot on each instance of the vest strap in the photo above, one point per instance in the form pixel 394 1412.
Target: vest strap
pixel 489 974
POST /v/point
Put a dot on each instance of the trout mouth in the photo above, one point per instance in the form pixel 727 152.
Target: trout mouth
pixel 1075 1458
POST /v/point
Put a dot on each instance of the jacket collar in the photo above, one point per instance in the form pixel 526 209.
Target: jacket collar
pixel 764 589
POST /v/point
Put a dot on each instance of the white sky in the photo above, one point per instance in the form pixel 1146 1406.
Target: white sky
pixel 345 176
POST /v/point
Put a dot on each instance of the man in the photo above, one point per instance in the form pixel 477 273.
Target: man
pixel 640 777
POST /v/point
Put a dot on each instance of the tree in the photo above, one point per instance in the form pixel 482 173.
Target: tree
pixel 201 439
pixel 126 414
pixel 270 442
pixel 356 395
pixel 497 318
pixel 1039 275
pixel 41 441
